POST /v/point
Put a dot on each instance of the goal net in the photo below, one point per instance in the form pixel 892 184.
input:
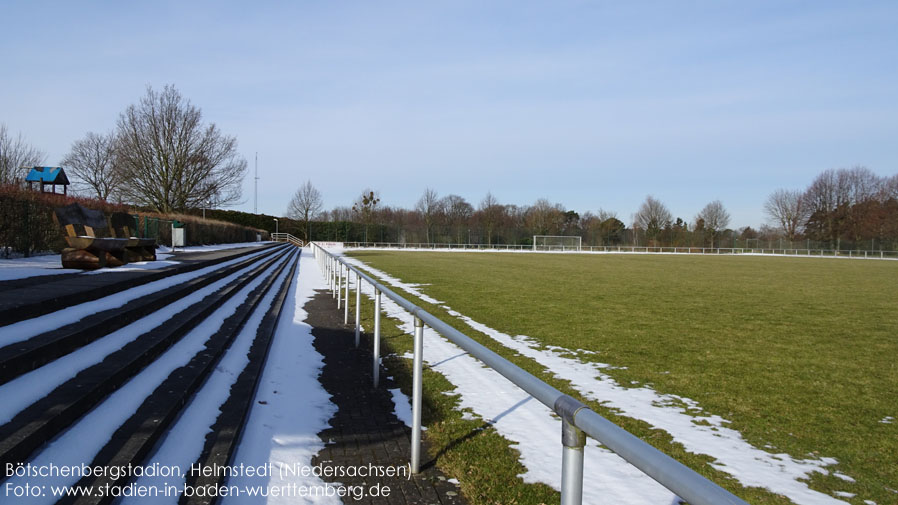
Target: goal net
pixel 556 243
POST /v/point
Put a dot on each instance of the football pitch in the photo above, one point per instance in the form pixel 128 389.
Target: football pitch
pixel 798 354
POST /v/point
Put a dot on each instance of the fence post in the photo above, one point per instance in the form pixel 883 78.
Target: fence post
pixel 376 349
pixel 573 440
pixel 358 306
pixel 417 386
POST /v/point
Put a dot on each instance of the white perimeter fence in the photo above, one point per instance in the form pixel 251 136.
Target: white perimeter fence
pixel 825 253
pixel 577 420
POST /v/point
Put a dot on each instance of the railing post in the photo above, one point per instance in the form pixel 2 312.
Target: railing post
pixel 376 349
pixel 573 440
pixel 339 284
pixel 358 306
pixel 346 300
pixel 417 386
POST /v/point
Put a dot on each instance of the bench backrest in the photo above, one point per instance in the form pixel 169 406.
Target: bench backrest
pixel 75 216
pixel 121 225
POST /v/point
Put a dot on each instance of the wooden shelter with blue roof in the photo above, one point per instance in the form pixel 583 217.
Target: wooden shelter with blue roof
pixel 48 176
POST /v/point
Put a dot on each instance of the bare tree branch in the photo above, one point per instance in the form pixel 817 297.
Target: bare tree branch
pixel 788 209
pixel 652 217
pixel 491 212
pixel 92 162
pixel 715 218
pixel 429 208
pixel 306 203
pixel 170 160
pixel 16 155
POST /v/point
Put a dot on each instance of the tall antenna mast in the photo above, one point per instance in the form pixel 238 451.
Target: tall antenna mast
pixel 256 187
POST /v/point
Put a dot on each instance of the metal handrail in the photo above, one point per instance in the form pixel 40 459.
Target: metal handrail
pixel 286 237
pixel 577 419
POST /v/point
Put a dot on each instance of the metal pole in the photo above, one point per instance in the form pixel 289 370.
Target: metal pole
pixel 346 301
pixel 573 440
pixel 339 284
pixel 358 306
pixel 417 387
pixel 376 337
pixel 572 468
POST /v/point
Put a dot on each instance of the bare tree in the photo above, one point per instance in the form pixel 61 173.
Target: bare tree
pixel 863 189
pixel 365 206
pixel 715 218
pixel 544 218
pixel 15 155
pixel 605 215
pixel 788 209
pixel 890 187
pixel 429 208
pixel 92 161
pixel 339 214
pixel 491 212
pixel 172 161
pixel 305 204
pixel 652 217
pixel 458 212
pixel 828 200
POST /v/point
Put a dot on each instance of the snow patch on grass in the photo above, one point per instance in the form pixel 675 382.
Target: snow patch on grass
pixel 674 414
pixel 530 426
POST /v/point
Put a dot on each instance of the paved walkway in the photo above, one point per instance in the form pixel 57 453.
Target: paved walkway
pixel 365 430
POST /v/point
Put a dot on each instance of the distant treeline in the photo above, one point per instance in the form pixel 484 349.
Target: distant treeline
pixel 841 209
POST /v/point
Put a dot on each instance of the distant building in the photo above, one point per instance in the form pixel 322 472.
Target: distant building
pixel 48 176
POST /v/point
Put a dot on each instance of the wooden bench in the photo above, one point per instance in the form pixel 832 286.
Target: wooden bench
pixel 86 250
pixel 137 249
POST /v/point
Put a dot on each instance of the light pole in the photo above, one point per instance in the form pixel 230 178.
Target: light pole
pixel 275 227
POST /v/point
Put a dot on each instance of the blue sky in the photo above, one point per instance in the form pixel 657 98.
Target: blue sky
pixel 589 104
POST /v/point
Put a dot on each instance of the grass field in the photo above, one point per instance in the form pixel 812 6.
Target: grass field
pixel 799 354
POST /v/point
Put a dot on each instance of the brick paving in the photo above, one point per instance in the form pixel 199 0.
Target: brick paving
pixel 365 430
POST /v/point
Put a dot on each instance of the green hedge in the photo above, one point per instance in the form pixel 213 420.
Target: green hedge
pixel 27 225
pixel 26 220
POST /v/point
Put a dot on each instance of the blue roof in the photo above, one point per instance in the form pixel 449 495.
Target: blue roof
pixel 46 174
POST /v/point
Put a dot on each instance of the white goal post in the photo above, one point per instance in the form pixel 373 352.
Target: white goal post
pixel 556 243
